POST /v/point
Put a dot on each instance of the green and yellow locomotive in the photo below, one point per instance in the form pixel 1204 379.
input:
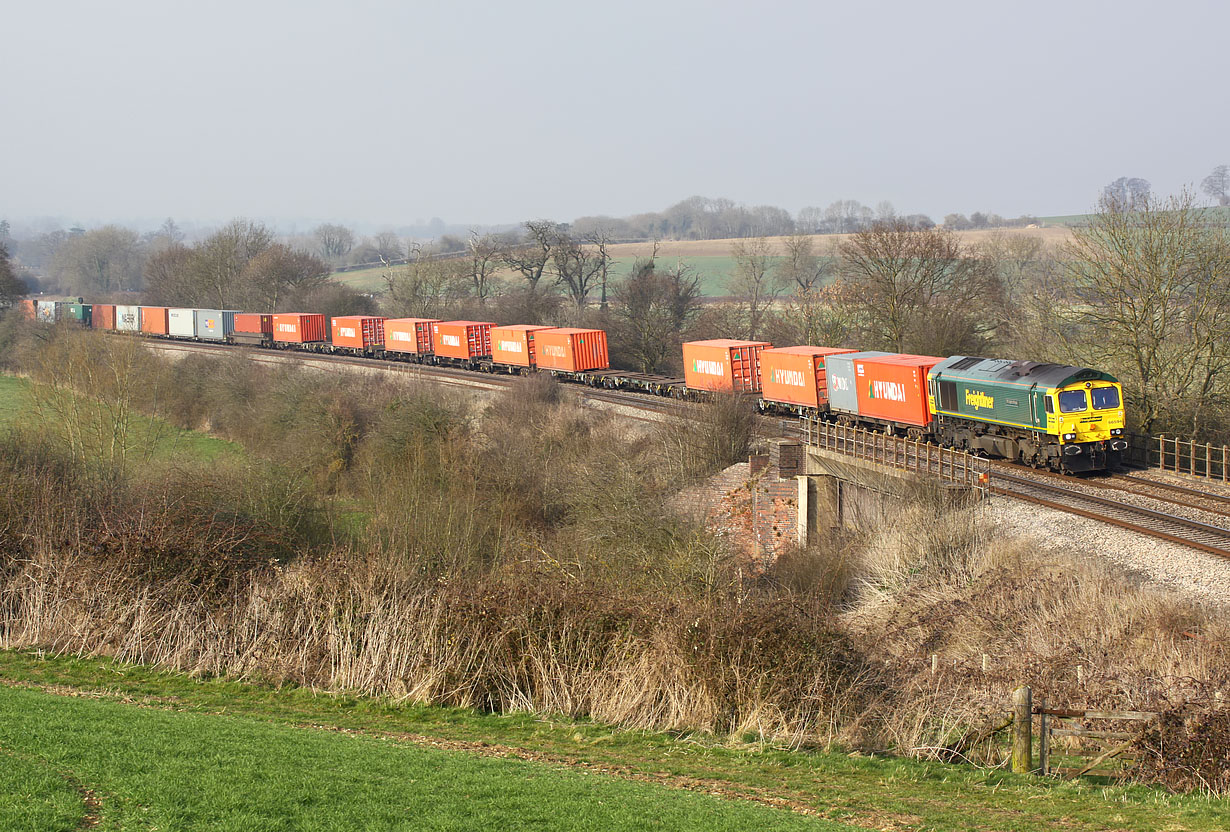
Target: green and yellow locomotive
pixel 1045 415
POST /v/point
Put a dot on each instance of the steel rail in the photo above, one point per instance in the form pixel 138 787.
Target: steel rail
pixel 1164 528
pixel 442 374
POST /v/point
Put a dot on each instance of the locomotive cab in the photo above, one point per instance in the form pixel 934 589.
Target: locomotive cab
pixel 1088 419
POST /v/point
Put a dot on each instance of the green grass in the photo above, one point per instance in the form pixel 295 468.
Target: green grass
pixel 1220 212
pixel 156 769
pixel 714 272
pixel 19 408
pixel 35 797
pixel 881 792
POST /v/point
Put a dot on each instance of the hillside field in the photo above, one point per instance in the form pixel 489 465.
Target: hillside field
pixel 19 408
pixel 710 259
pixel 714 272
pixel 90 742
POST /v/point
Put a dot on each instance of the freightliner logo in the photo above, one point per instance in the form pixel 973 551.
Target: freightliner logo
pixel 978 400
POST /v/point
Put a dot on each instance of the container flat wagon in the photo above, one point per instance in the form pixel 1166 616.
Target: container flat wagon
pixel 181 323
pixel 154 320
pixel 214 324
pixel 357 334
pixel 723 365
pixel 462 343
pixel 409 339
pixel 299 328
pixel 127 318
pixel 102 316
pixel 513 348
pixel 794 379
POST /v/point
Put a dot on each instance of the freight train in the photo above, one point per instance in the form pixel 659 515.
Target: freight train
pixel 1064 418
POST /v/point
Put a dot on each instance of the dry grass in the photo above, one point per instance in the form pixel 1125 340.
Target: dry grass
pixel 944 584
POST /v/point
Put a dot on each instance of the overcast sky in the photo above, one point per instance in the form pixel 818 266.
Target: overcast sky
pixel 390 112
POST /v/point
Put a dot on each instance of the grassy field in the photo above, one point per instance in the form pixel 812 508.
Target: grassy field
pixel 1221 212
pixel 161 750
pixel 711 258
pixel 714 271
pixel 19 407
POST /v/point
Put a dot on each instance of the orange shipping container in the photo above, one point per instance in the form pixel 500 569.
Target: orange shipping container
pixel 462 339
pixel 894 388
pixel 515 344
pixel 572 350
pixel 103 316
pixel 299 327
pixel 723 364
pixel 154 320
pixel 27 309
pixel 409 335
pixel 357 331
pixel 795 375
pixel 253 324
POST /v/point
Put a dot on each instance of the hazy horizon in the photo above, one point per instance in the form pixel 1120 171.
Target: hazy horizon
pixel 380 114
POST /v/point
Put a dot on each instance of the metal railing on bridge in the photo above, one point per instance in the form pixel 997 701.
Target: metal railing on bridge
pixel 898 452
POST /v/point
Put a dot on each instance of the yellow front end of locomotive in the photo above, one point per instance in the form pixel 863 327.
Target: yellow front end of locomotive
pixel 1088 411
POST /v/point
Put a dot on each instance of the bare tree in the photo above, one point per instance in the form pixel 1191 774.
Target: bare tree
pixel 1217 184
pixel 170 278
pixel 279 270
pixel 531 257
pixel 168 234
pixel 917 290
pixel 335 241
pixel 809 220
pixel 801 267
pixel 652 309
pixel 426 286
pixel 1126 192
pixel 600 238
pixel 484 253
pixel 388 247
pixel 220 259
pixel 104 260
pixel 809 310
pixel 577 266
pixel 1152 282
pixel 755 282
pixel 88 388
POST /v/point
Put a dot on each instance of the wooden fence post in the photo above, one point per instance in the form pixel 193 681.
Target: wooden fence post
pixel 1022 730
pixel 1044 739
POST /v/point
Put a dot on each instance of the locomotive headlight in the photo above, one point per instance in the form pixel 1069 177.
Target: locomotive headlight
pixel 1116 431
pixel 1068 437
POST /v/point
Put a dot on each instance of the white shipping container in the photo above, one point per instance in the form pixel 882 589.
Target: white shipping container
pixel 47 311
pixel 181 323
pixel 128 318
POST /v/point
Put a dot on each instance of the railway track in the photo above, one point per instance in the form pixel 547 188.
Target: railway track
pixel 436 374
pixel 1054 491
pixel 1173 528
pixel 1176 495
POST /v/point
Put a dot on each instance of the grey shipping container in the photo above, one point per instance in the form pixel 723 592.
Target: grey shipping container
pixel 128 318
pixel 215 324
pixel 839 370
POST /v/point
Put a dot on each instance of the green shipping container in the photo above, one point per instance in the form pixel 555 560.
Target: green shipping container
pixel 81 313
